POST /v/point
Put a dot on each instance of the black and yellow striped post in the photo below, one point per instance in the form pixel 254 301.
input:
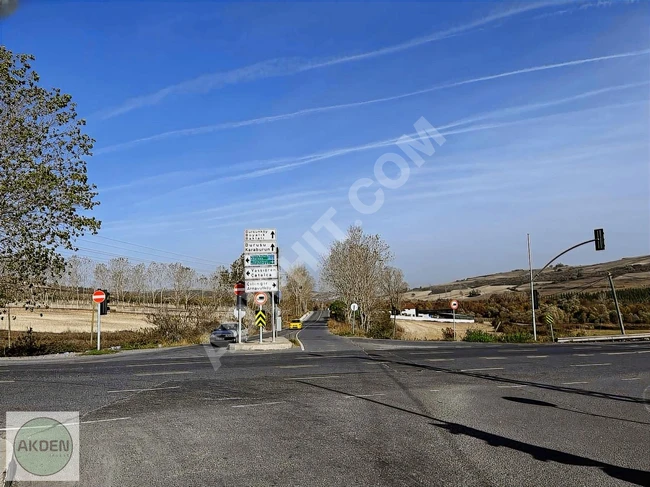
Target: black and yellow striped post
pixel 260 320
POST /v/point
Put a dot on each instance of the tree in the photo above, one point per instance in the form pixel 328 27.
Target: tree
pixel 298 290
pixel 156 277
pixel 44 191
pixel 102 276
pixel 220 286
pixel 137 281
pixel 182 279
pixel 394 286
pixel 119 270
pixel 354 268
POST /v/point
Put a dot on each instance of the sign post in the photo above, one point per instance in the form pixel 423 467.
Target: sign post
pixel 239 290
pixel 99 297
pixel 354 307
pixel 454 306
pixel 261 274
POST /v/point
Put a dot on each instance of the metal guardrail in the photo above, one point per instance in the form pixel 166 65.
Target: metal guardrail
pixel 606 338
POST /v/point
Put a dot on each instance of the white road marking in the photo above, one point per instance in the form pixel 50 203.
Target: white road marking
pixel 571 383
pixel 365 395
pixel 494 358
pixel 257 404
pixel 167 363
pixel 314 377
pixel 588 365
pixel 68 424
pixel 223 398
pixel 584 347
pixel 584 354
pixel 439 359
pixel 308 357
pixel 105 420
pixel 295 366
pixel 644 351
pixel 509 387
pixel 536 356
pixel 519 350
pixel 374 362
pixel 483 368
pixel 141 390
pixel 437 352
pixel 434 390
pixel 6 381
pixel 633 378
pixel 618 353
pixel 162 373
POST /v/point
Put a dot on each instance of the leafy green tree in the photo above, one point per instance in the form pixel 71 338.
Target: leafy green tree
pixel 44 191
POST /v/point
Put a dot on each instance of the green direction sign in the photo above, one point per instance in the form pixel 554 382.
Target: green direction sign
pixel 259 259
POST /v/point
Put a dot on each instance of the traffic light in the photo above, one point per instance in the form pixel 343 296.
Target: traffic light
pixel 276 298
pixel 536 299
pixel 241 301
pixel 103 307
pixel 599 239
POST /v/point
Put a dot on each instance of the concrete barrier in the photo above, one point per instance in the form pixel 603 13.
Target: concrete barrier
pixel 427 318
pixel 281 343
pixel 306 316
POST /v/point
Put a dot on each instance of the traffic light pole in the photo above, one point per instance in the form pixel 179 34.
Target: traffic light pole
pixel 273 316
pixel 532 293
pixel 618 310
pixel 99 326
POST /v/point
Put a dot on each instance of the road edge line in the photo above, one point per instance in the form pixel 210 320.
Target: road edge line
pixel 302 347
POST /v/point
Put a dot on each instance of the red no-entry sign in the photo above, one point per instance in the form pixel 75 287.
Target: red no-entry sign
pixel 99 296
pixel 240 289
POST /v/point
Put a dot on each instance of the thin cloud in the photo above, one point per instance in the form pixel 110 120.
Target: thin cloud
pixel 285 67
pixel 308 111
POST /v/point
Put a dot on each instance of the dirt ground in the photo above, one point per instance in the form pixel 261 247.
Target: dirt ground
pixel 430 330
pixel 62 320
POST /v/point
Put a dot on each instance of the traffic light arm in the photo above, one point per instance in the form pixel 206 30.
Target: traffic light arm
pixel 561 254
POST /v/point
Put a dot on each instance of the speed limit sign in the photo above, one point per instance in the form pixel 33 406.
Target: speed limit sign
pixel 453 304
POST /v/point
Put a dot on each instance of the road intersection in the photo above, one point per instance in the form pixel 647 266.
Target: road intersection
pixel 352 412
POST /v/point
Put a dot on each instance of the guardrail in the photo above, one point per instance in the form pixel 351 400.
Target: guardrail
pixel 606 338
pixel 306 316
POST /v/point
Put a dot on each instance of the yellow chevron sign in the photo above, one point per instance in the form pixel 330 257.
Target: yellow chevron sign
pixel 260 318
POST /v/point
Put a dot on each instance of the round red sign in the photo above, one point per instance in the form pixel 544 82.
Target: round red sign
pixel 99 296
pixel 454 304
pixel 240 289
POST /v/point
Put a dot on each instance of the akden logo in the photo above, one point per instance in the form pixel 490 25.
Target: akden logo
pixel 42 446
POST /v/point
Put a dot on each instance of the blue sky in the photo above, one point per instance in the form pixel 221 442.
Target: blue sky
pixel 214 117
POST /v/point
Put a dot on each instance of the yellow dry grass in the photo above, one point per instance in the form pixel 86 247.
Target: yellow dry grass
pixel 77 320
pixel 430 330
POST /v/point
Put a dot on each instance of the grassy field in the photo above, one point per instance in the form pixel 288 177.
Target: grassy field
pixel 430 330
pixel 75 320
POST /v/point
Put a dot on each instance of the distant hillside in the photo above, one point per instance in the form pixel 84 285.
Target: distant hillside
pixel 628 272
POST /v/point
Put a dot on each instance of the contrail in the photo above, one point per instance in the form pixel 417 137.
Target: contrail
pixel 286 67
pixel 308 111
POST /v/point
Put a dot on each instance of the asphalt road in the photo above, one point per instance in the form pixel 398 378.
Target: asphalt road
pixel 351 412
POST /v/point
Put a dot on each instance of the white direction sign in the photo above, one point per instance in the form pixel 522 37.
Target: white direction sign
pixel 260 234
pixel 267 272
pixel 257 260
pixel 260 246
pixel 262 285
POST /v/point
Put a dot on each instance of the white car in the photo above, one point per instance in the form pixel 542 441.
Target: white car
pixel 227 333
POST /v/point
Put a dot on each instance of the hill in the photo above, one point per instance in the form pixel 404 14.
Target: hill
pixel 629 272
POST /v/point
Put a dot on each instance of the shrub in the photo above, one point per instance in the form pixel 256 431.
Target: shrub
pixel 474 293
pixel 478 336
pixel 381 326
pixel 517 337
pixel 448 333
pixel 339 328
pixel 25 345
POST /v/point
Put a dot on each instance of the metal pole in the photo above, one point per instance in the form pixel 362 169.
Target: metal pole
pixel 261 329
pixel 9 324
pixel 453 315
pixel 92 325
pixel 532 297
pixel 99 326
pixel 272 317
pixel 238 323
pixel 353 322
pixel 618 310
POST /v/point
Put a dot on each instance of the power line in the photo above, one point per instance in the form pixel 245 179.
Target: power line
pixel 159 250
pixel 198 261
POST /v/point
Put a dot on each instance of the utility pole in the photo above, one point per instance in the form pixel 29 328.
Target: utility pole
pixel 618 310
pixel 9 324
pixel 532 296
